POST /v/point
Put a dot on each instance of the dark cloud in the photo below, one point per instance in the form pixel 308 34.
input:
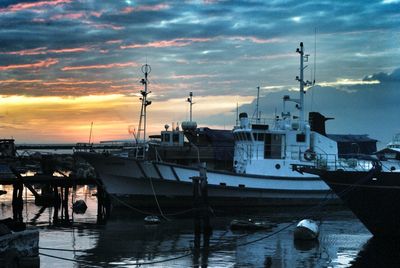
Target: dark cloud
pixel 384 77
pixel 359 109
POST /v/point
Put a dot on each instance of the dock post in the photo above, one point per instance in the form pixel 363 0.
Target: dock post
pixel 103 205
pixel 65 205
pixel 17 201
pixel 201 219
pixel 205 206
pixel 57 204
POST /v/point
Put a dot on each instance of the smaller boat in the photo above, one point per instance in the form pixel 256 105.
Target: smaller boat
pixel 306 230
pixel 372 193
pixel 250 224
pixel 152 219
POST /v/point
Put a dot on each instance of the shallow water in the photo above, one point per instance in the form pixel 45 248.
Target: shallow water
pixel 125 241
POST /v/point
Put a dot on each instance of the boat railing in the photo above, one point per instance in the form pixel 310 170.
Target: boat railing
pixel 350 162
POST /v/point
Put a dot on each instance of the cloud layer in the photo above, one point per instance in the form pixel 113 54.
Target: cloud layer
pixel 73 48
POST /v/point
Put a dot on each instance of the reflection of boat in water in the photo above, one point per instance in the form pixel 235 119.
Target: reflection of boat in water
pixel 372 194
pixel 221 248
pixel 262 163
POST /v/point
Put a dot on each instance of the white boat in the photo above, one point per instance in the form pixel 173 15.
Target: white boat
pixel 263 158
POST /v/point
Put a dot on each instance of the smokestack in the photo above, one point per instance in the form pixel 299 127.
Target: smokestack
pixel 317 122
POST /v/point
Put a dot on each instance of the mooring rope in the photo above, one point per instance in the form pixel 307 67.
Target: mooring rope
pixel 156 199
pixel 92 264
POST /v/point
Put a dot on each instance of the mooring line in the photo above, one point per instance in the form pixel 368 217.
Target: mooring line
pixel 155 197
pixel 72 260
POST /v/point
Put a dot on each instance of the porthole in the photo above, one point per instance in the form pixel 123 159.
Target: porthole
pixel 277 166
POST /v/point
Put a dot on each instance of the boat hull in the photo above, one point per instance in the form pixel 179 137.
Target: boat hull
pixel 374 197
pixel 144 182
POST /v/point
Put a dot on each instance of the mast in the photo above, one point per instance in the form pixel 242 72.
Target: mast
pixel 258 98
pixel 146 69
pixel 190 100
pixel 237 113
pixel 300 106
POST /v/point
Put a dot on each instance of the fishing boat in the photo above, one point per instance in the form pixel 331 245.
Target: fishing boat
pixel 371 189
pixel 262 172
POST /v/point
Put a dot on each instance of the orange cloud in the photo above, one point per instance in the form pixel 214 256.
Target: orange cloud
pixel 40 64
pixel 96 14
pixel 15 81
pixel 33 5
pixel 158 7
pixel 178 42
pixel 100 66
pixel 69 50
pixel 114 42
pixel 74 82
pixel 71 16
pixel 43 51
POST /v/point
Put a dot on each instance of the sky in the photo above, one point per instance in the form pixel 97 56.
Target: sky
pixel 67 63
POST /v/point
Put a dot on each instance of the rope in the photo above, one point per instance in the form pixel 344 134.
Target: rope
pixel 156 199
pixel 68 259
pixel 131 207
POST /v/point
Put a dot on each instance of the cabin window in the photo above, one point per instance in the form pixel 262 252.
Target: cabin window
pixel 166 137
pixel 273 146
pixel 248 136
pixel 242 136
pixel 258 136
pixel 301 137
pixel 175 138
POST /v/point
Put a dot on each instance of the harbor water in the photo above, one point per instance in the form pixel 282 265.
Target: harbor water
pixel 126 241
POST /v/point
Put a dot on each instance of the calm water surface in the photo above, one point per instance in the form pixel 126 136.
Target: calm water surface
pixel 125 241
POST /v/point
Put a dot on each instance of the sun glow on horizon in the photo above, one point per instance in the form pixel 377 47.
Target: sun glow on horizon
pixel 67 119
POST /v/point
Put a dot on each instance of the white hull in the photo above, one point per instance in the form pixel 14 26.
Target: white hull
pixel 172 184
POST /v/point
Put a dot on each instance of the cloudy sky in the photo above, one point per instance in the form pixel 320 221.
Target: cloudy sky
pixel 67 63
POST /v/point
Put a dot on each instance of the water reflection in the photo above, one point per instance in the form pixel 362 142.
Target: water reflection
pixel 125 241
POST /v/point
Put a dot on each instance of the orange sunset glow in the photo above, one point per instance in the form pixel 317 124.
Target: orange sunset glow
pixel 68 120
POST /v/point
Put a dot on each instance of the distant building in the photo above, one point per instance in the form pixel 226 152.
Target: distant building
pixel 7 148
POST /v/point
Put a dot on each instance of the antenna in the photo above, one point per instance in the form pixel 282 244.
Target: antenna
pixel 256 111
pixel 190 100
pixel 146 69
pixel 315 55
pixel 237 113
pixel 315 67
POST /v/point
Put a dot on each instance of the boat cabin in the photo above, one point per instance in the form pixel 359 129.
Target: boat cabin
pixel 389 153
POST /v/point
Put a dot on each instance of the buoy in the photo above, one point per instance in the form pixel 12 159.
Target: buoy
pixel 152 219
pixel 306 230
pixel 79 207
